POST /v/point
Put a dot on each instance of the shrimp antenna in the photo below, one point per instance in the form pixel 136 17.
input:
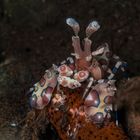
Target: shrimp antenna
pixel 91 28
pixel 74 25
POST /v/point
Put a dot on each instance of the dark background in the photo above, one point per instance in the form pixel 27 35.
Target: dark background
pixel 33 35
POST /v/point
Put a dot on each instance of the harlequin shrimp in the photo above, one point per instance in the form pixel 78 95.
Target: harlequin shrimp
pixel 83 67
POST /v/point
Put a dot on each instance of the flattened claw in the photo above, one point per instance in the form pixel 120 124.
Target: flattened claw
pixel 74 25
pixel 43 90
pixel 91 28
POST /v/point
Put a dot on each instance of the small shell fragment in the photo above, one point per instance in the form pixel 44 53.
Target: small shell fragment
pixel 13 124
